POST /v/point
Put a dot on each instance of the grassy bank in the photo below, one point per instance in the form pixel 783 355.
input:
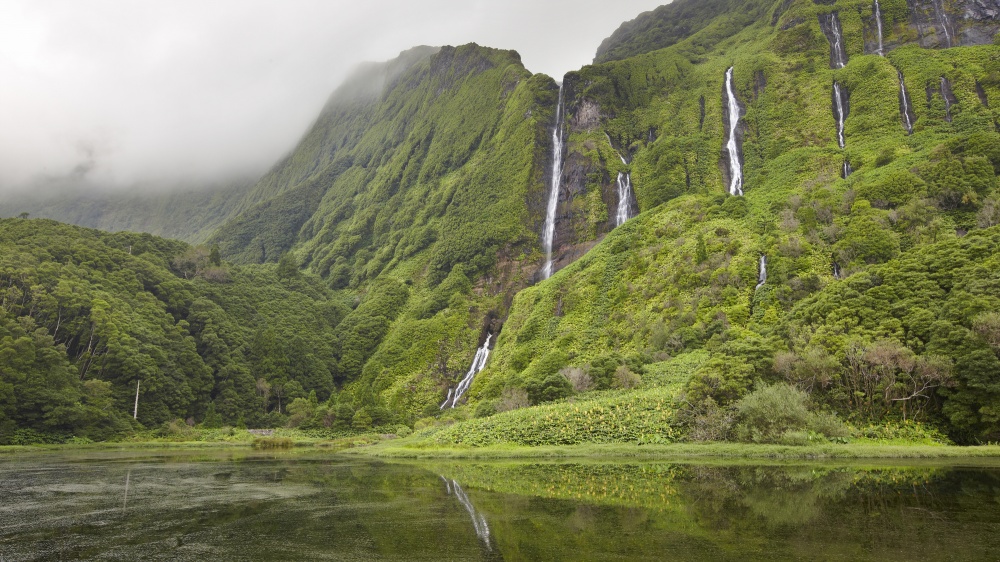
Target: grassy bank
pixel 401 450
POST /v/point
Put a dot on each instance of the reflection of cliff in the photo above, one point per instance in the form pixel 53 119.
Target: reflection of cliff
pixel 715 511
pixel 478 520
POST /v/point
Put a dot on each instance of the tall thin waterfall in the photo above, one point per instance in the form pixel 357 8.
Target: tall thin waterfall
pixel 904 105
pixel 761 272
pixel 478 520
pixel 478 363
pixel 846 169
pixel 548 236
pixel 624 182
pixel 830 23
pixel 840 111
pixel 735 167
pixel 943 21
pixel 837 274
pixel 624 196
pixel 878 22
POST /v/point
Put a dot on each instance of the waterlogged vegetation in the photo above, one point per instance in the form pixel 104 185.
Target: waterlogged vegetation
pixel 232 504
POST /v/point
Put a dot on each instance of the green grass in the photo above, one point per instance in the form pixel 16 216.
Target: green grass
pixel 401 450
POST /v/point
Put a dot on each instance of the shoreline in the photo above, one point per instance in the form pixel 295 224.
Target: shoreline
pixel 395 449
pixel 388 450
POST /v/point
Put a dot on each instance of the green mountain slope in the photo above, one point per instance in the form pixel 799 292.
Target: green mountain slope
pixel 419 191
pixel 673 291
pixel 85 316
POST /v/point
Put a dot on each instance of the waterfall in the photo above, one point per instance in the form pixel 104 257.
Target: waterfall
pixel 837 274
pixel 838 45
pixel 904 105
pixel 943 21
pixel 831 28
pixel 840 111
pixel 550 212
pixel 878 21
pixel 761 272
pixel 735 168
pixel 949 98
pixel 846 169
pixel 478 363
pixel 624 195
pixel 478 520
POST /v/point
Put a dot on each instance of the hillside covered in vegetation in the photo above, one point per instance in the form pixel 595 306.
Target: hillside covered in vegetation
pixel 773 220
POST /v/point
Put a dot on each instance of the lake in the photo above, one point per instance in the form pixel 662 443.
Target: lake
pixel 243 505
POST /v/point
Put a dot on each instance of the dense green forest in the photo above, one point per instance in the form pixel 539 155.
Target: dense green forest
pixel 351 286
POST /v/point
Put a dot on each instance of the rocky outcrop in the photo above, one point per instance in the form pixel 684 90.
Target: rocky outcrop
pixel 943 24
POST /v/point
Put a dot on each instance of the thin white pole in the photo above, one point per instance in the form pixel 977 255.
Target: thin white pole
pixel 135 412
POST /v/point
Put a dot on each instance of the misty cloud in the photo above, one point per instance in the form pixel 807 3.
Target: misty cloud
pixel 120 93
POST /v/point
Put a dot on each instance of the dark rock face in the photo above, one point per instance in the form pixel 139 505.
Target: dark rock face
pixel 830 24
pixel 949 98
pixel 573 235
pixel 942 24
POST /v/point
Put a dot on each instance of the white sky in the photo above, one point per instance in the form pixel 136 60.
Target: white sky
pixel 164 91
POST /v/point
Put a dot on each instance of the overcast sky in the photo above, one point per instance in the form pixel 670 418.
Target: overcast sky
pixel 125 92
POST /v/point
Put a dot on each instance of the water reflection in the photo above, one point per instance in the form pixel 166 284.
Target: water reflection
pixel 478 520
pixel 248 506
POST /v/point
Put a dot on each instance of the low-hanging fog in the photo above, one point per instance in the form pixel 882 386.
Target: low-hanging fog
pixel 146 93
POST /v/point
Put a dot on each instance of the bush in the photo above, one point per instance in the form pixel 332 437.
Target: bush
pixel 552 387
pixel 577 377
pixel 769 413
pixel 512 399
pixel 626 379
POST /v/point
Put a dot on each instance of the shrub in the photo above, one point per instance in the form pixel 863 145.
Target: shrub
pixel 626 379
pixel 512 399
pixel 552 387
pixel 767 414
pixel 577 377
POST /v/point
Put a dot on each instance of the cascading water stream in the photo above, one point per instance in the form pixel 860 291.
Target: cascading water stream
pixel 846 169
pixel 735 167
pixel 761 272
pixel 836 271
pixel 943 21
pixel 478 520
pixel 548 236
pixel 878 22
pixel 624 197
pixel 478 363
pixel 831 28
pixel 840 111
pixel 904 105
pixel 949 98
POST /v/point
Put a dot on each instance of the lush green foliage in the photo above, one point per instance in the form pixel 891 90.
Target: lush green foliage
pixel 681 277
pixel 617 417
pixel 86 316
pixel 419 194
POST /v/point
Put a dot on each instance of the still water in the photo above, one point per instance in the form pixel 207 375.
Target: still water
pixel 226 505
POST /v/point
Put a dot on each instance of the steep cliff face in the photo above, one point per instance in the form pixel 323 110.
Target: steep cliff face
pixel 674 295
pixel 417 191
pixel 928 23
